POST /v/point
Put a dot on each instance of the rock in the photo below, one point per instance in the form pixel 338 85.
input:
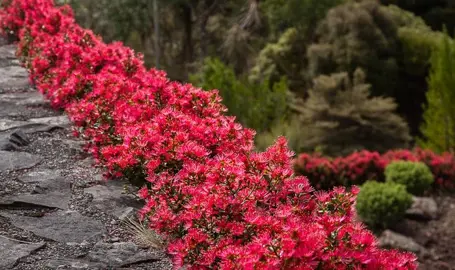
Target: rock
pixel 12 141
pixel 20 138
pixel 389 239
pixel 6 124
pixel 68 264
pixel 46 180
pixel 35 128
pixel 8 109
pixel 13 77
pixel 423 208
pixel 17 160
pixel 61 121
pixel 14 104
pixel 119 254
pixel 110 198
pixel 106 256
pixel 27 98
pixel 5 145
pixel 25 126
pixel 60 226
pixel 8 52
pixel 11 251
pixel 54 199
pixel 44 124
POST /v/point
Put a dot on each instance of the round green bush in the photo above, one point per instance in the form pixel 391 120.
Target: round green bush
pixel 381 205
pixel 416 176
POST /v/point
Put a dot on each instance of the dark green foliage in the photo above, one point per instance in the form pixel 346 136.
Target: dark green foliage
pixel 390 44
pixel 417 40
pixel 358 35
pixel 382 205
pixel 436 13
pixel 438 128
pixel 257 106
pixel 302 14
pixel 415 176
pixel 417 45
pixel 441 17
pixel 283 58
pixel 340 117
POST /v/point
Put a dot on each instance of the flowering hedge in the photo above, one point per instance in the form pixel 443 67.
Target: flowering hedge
pixel 219 204
pixel 356 168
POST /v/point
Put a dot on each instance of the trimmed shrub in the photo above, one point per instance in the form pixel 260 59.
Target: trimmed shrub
pixel 416 176
pixel 381 205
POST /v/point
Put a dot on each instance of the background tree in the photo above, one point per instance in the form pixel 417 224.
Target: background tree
pixel 262 42
pixel 439 116
pixel 341 117
pixel 283 58
pixel 436 13
pixel 357 35
pixel 392 45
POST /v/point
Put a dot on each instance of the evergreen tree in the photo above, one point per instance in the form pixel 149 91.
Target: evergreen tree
pixel 283 58
pixel 438 128
pixel 340 117
pixel 392 45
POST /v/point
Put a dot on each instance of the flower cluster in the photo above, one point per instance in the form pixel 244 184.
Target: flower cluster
pixel 219 204
pixel 359 167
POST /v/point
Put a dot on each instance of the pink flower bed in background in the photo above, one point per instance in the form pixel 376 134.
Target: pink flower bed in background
pixel 355 169
pixel 219 204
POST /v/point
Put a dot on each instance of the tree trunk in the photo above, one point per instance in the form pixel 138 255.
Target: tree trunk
pixel 156 24
pixel 188 37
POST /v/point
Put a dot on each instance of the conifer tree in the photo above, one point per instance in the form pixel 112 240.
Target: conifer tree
pixel 438 128
pixel 340 117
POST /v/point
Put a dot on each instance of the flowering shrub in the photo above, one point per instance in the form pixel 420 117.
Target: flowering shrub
pixel 359 167
pixel 219 204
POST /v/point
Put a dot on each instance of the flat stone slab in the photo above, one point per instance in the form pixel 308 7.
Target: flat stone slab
pixel 45 180
pixel 119 254
pixel 53 199
pixel 60 226
pixel 27 98
pixel 7 124
pixel 9 110
pixel 17 160
pixel 106 256
pixel 61 120
pixel 111 199
pixel 9 72
pixel 13 77
pixel 70 264
pixel 11 251
pixel 8 52
pixel 39 125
